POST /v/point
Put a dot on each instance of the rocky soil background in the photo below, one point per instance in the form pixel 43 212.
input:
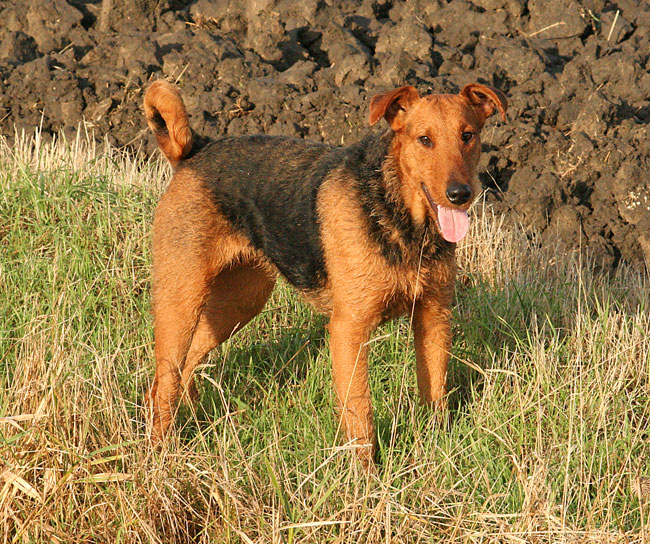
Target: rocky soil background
pixel 572 165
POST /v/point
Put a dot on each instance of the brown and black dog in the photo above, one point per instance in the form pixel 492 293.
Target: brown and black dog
pixel 366 233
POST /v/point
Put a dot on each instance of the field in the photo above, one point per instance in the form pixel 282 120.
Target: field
pixel 546 439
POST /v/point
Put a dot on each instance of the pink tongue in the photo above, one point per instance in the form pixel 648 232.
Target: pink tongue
pixel 453 224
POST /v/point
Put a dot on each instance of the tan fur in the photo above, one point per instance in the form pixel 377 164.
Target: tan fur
pixel 163 99
pixel 388 291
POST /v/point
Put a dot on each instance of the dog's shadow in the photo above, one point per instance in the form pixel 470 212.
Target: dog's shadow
pixel 493 323
pixel 238 376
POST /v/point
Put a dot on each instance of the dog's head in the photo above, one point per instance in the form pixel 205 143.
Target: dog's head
pixel 436 147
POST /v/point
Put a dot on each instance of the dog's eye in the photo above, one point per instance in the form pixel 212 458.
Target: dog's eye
pixel 467 136
pixel 425 141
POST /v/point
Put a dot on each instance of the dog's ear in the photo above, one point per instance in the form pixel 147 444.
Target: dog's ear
pixel 392 106
pixel 485 100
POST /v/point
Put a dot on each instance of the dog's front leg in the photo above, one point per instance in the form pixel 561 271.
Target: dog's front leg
pixel 432 331
pixel 349 350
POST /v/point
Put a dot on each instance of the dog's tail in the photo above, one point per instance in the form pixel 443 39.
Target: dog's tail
pixel 167 118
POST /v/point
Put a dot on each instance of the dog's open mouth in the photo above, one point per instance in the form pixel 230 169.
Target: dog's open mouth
pixel 453 224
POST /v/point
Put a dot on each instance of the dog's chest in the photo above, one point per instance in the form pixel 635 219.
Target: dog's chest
pixel 377 288
pixel 406 285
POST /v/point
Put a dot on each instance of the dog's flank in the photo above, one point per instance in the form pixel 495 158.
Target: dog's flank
pixel 272 205
pixel 367 231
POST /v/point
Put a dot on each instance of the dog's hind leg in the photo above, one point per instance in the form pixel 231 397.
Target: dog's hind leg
pixel 177 306
pixel 236 296
pixel 191 246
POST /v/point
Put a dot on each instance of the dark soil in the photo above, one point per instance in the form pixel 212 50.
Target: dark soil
pixel 572 165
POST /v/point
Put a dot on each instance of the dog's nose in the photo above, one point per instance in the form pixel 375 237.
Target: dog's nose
pixel 458 193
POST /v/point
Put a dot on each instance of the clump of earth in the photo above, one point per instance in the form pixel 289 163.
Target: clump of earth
pixel 572 165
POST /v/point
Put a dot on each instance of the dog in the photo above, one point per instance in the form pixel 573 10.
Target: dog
pixel 366 233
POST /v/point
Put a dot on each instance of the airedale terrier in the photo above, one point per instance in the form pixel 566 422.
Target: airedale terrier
pixel 366 233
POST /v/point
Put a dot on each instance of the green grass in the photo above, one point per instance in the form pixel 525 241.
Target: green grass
pixel 545 439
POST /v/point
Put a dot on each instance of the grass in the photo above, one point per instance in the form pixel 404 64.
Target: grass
pixel 546 438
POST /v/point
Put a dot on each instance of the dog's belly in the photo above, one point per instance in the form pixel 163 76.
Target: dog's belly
pixel 319 299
